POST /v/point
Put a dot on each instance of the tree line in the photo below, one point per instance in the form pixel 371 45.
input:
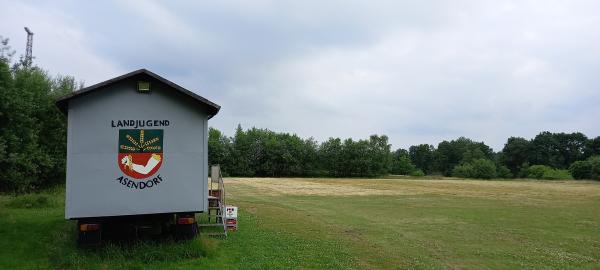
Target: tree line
pixel 552 153
pixel 261 152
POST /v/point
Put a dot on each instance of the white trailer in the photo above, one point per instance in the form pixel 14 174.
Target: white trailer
pixel 136 156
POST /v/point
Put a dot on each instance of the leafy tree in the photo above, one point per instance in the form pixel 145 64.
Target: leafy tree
pixel 219 150
pixel 558 150
pixel 545 149
pixel 330 156
pixel 423 157
pixel 379 154
pixel 289 155
pixel 452 153
pixel 53 125
pixel 515 153
pixel 587 169
pixel 355 157
pixel 6 53
pixel 241 154
pixel 32 130
pixel 571 147
pixel 595 167
pixel 593 147
pixel 401 163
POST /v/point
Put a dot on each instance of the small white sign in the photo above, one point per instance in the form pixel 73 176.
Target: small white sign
pixel 231 212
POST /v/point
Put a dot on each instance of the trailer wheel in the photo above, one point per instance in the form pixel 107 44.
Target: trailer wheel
pixel 89 234
pixel 186 227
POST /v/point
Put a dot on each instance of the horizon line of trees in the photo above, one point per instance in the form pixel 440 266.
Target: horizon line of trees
pixel 265 153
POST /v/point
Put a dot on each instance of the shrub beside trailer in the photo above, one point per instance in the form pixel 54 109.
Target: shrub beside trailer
pixel 137 161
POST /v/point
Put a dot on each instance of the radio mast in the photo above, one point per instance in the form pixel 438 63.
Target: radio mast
pixel 28 54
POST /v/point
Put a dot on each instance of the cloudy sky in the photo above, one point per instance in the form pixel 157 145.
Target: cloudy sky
pixel 417 71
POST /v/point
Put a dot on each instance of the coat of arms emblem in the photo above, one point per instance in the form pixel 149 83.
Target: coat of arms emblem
pixel 140 152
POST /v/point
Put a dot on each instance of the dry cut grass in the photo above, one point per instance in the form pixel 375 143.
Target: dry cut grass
pixel 529 189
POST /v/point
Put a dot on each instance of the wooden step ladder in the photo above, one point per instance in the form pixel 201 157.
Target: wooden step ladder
pixel 216 205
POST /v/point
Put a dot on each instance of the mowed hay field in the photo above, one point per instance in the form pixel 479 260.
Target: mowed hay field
pixel 342 224
pixel 424 224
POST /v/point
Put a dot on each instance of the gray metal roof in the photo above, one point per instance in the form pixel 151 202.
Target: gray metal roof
pixel 63 102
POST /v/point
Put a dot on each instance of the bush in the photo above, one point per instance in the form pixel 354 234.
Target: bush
pixel 547 173
pixel 417 173
pixel 555 174
pixel 401 165
pixel 478 168
pixel 504 172
pixel 581 169
pixel 463 170
pixel 586 169
pixel 537 171
pixel 484 169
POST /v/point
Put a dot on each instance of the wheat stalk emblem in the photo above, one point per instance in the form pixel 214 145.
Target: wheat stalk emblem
pixel 141 144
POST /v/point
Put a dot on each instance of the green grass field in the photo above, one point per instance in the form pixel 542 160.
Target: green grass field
pixel 341 224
